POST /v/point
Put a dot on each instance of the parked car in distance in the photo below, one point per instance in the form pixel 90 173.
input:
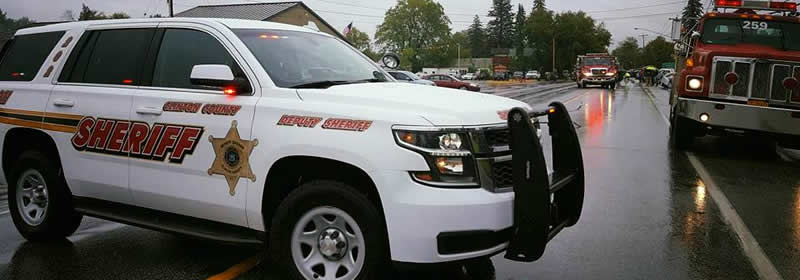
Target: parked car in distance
pixel 449 81
pixel 500 76
pixel 468 76
pixel 666 80
pixel 408 77
pixel 519 75
pixel 533 75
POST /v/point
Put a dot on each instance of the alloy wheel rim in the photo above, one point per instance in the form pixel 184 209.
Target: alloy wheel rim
pixel 327 243
pixel 32 197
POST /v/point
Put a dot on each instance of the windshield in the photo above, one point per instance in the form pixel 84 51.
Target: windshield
pixel 413 76
pixel 767 33
pixel 294 58
pixel 597 61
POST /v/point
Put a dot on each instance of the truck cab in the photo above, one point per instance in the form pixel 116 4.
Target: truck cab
pixel 740 74
pixel 596 69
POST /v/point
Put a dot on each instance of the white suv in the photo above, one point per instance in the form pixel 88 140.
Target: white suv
pixel 263 133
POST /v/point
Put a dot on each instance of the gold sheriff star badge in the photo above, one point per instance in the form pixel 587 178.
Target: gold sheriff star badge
pixel 233 157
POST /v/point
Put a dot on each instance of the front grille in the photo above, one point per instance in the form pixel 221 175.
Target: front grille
pixel 502 174
pixel 498 137
pixel 599 71
pixel 758 78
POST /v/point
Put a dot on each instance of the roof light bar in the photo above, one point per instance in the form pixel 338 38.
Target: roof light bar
pixel 757 5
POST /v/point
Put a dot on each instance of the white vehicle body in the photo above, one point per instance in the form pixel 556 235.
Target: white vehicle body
pixel 532 75
pixel 349 125
pixel 408 77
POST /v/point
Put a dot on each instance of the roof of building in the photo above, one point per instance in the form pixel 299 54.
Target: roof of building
pixel 254 11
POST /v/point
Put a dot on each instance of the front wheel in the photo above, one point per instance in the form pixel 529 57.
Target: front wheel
pixel 38 199
pixel 327 230
pixel 462 88
pixel 681 132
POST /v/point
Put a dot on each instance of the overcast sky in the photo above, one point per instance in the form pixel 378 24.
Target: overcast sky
pixel 620 16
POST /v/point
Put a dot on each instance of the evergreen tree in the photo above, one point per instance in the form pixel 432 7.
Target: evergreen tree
pixel 501 28
pixel 519 28
pixel 477 38
pixel 538 5
pixel 691 13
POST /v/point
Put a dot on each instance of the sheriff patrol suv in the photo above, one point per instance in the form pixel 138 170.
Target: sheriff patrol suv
pixel 263 133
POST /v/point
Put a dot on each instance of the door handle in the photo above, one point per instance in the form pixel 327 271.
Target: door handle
pixel 149 111
pixel 61 102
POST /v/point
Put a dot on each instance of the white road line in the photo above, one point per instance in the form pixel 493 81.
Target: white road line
pixel 4 212
pixel 761 263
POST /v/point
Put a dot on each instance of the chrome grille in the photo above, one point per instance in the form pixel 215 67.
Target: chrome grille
pixel 758 79
pixel 599 71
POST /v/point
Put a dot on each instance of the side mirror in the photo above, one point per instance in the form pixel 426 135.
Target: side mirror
pixel 695 34
pixel 391 61
pixel 217 76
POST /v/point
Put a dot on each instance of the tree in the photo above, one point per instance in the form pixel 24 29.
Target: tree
pixel 519 29
pixel 89 14
pixel 501 28
pixel 9 26
pixel 362 42
pixel 417 30
pixel 691 14
pixel 628 53
pixel 119 16
pixel 477 38
pixel 538 5
pixel 657 52
pixel 540 30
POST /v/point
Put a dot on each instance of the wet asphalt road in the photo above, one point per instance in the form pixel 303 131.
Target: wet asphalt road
pixel 646 215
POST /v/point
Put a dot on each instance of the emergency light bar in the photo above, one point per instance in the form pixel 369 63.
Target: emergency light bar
pixel 757 5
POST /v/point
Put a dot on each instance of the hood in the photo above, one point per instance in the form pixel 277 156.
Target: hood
pixel 746 50
pixel 440 106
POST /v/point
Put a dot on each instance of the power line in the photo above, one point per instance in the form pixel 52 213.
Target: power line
pixel 636 8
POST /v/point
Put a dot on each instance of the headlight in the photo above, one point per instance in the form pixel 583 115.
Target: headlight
pixel 587 74
pixel 473 85
pixel 447 154
pixel 695 83
pixel 610 74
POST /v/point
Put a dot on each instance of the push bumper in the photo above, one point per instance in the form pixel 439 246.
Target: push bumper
pixel 769 120
pixel 599 80
pixel 544 204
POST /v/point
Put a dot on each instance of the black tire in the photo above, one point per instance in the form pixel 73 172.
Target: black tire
pixel 480 269
pixel 462 88
pixel 60 219
pixel 613 86
pixel 681 132
pixel 334 194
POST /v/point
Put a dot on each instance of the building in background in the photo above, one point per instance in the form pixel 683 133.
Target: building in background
pixel 295 13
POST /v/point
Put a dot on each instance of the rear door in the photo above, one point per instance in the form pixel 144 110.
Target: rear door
pixel 178 169
pixel 91 104
pixel 24 89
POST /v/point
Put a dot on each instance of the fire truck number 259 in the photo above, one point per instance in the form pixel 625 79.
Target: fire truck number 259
pixel 755 25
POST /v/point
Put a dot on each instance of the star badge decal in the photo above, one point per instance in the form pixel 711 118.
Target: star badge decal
pixel 233 157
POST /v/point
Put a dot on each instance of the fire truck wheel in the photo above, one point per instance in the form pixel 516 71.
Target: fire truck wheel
pixel 480 268
pixel 38 199
pixel 613 86
pixel 681 132
pixel 328 230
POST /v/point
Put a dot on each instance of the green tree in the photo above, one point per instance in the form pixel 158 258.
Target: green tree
pixel 362 42
pixel 519 29
pixel 691 14
pixel 477 38
pixel 501 28
pixel 119 16
pixel 416 29
pixel 462 39
pixel 628 53
pixel 539 31
pixel 9 26
pixel 657 51
pixel 538 5
pixel 89 14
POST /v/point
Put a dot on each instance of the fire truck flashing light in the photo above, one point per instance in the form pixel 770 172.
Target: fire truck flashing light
pixel 757 5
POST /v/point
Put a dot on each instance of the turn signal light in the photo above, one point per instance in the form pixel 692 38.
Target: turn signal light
pixel 783 6
pixel 689 62
pixel 229 91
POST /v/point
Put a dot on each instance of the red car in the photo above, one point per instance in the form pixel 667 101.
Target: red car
pixel 449 81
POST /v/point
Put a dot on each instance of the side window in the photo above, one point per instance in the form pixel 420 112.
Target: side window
pixel 111 57
pixel 399 76
pixel 181 50
pixel 24 55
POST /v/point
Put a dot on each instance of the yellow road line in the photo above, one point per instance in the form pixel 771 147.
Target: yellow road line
pixel 238 269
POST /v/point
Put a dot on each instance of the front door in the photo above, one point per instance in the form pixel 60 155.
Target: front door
pixel 195 160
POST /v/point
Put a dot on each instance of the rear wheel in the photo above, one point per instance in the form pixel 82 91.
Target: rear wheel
pixel 327 230
pixel 39 201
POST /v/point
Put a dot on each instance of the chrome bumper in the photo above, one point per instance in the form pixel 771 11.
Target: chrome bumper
pixel 741 116
pixel 599 80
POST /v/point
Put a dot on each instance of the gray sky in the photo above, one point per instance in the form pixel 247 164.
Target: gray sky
pixel 367 14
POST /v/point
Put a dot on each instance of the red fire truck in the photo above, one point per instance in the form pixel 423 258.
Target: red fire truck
pixel 596 69
pixel 742 65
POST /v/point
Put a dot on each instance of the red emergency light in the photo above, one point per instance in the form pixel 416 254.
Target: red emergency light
pixel 757 5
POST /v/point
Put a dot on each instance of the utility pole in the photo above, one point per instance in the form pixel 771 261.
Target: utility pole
pixel 643 35
pixel 554 55
pixel 458 63
pixel 171 9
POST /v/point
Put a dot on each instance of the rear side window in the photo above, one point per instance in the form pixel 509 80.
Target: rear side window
pixel 113 57
pixel 181 50
pixel 24 55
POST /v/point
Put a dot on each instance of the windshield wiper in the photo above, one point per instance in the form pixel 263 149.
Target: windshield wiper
pixel 327 84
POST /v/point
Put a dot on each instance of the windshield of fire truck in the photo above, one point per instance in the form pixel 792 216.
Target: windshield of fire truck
pixel 596 61
pixel 780 35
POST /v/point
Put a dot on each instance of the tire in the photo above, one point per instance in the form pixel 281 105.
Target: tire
pixel 462 88
pixel 315 203
pixel 612 86
pixel 50 214
pixel 480 268
pixel 681 132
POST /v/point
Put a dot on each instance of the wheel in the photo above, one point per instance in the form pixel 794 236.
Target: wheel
pixel 583 84
pixel 612 86
pixel 38 199
pixel 462 88
pixel 327 230
pixel 681 132
pixel 480 268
